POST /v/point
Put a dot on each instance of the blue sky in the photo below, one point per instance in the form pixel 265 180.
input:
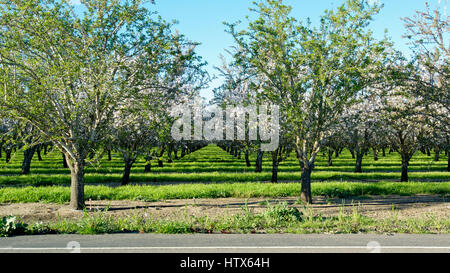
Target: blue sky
pixel 202 21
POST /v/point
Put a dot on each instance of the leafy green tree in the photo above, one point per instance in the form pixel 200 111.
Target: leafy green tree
pixel 312 73
pixel 428 33
pixel 72 67
pixel 360 124
pixel 238 89
pixel 405 124
pixel 143 121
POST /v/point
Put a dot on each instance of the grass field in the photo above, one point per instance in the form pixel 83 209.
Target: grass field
pixel 213 173
pixel 212 164
pixel 60 194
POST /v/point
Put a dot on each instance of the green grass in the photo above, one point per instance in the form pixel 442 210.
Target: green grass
pixel 213 173
pixel 47 180
pixel 61 194
pixel 212 164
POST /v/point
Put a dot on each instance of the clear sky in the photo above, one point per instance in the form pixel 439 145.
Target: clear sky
pixel 202 21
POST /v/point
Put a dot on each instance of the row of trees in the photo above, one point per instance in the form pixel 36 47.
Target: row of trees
pixel 337 86
pixel 104 81
pixel 93 82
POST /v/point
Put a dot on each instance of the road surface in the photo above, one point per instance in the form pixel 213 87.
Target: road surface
pixel 227 243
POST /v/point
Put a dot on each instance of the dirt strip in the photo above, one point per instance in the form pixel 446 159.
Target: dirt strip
pixel 378 207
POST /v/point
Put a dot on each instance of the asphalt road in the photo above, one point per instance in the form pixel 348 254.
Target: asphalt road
pixel 227 243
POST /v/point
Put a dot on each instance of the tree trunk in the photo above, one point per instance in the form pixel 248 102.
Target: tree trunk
pixel 175 153
pixel 1 151
pixel 275 173
pixel 148 164
pixel 126 173
pixel 161 153
pixel 8 155
pixel 109 155
pixel 404 170
pixel 428 152
pixel 64 161
pixel 359 158
pixel 330 157
pixel 183 152
pixel 169 155
pixel 422 150
pixel 436 154
pixel 352 152
pixel 45 149
pixel 38 152
pixel 236 152
pixel 259 157
pixel 306 195
pixel 247 160
pixel 275 166
pixel 383 152
pixel 148 167
pixel 27 157
pixel 77 185
pixel 375 154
